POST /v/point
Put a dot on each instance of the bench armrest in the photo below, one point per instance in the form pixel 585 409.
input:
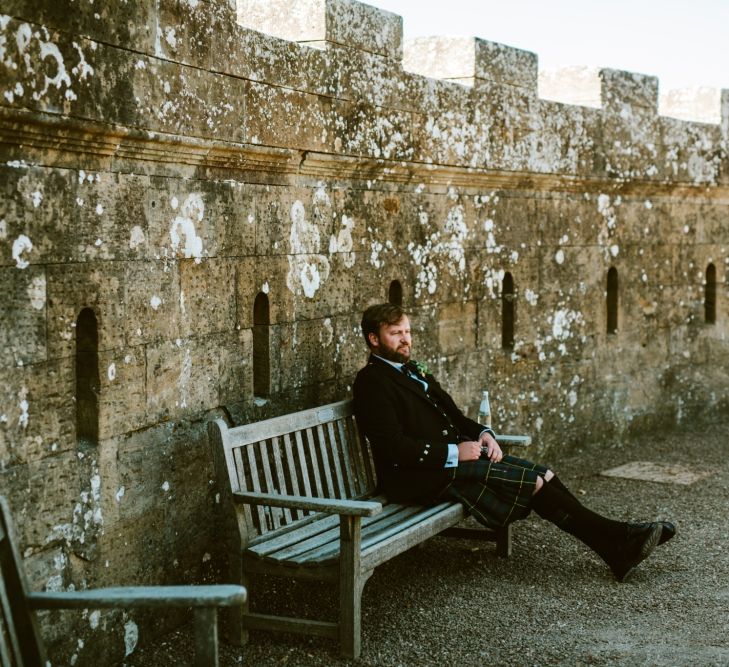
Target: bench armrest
pixel 226 595
pixel 520 440
pixel 329 505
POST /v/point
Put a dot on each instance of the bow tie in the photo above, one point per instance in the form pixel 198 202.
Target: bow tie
pixel 410 369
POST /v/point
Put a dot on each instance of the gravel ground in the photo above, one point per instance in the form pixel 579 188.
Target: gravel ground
pixel 451 601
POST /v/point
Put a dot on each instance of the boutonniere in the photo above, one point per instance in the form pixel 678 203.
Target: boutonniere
pixel 419 367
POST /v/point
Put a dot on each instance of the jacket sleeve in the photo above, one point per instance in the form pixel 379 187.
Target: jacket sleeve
pixel 376 410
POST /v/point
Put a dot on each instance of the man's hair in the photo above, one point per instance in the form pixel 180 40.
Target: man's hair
pixel 375 316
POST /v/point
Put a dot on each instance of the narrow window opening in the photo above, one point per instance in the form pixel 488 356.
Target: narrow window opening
pixel 394 294
pixel 87 377
pixel 507 312
pixel 612 301
pixel 710 295
pixel 261 347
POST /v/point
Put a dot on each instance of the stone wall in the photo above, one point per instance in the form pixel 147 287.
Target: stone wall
pixel 168 164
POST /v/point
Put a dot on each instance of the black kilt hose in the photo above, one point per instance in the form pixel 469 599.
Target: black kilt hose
pixel 495 493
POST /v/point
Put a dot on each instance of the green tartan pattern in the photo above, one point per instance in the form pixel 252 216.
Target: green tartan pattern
pixel 495 493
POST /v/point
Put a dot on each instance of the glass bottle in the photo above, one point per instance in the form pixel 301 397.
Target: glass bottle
pixel 484 410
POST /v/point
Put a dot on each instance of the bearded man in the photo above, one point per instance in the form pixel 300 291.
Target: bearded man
pixel 426 451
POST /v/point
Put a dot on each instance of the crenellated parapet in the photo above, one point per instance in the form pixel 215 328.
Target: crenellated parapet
pixel 333 77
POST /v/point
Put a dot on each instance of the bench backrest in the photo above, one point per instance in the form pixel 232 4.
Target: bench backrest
pixel 20 644
pixel 315 453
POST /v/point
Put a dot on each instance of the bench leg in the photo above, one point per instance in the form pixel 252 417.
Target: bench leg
pixel 206 637
pixel 351 583
pixel 503 542
pixel 236 633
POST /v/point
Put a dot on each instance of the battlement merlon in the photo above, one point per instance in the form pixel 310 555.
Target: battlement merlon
pixel 619 89
pixel 321 23
pixel 471 60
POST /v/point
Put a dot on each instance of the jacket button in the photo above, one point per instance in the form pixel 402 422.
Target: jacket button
pixel 445 431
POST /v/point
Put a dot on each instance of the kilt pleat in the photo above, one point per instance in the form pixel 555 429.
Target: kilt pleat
pixel 495 493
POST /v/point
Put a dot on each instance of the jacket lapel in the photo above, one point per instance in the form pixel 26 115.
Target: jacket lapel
pixel 399 377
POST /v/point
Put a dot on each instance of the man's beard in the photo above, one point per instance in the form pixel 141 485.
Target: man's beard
pixel 399 356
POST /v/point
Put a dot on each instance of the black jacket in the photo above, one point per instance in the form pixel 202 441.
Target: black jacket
pixel 409 430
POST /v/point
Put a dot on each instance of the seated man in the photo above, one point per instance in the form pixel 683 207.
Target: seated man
pixel 426 450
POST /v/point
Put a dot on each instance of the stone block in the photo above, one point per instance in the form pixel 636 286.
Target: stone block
pixel 692 151
pixel 236 368
pixel 327 21
pixel 122 394
pixel 471 60
pixel 306 353
pixel 632 145
pixel 117 22
pixel 46 570
pixel 345 72
pixel 152 302
pixel 564 139
pixel 621 89
pixel 55 501
pixel 182 378
pixel 456 327
pixel 179 99
pixel 194 33
pixel 207 296
pixel 22 316
pixel 37 411
pixel 282 117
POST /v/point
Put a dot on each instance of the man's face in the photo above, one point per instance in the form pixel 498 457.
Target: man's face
pixel 394 341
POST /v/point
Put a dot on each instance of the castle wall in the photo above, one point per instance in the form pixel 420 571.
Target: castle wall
pixel 163 163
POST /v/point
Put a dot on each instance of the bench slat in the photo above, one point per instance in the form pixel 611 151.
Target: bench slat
pixel 349 465
pixel 314 467
pixel 335 448
pixel 364 458
pixel 324 546
pixel 275 513
pixel 293 475
pixel 376 532
pixel 237 455
pixel 277 426
pixel 302 461
pixel 256 486
pixel 326 464
pixel 271 547
pixel 280 478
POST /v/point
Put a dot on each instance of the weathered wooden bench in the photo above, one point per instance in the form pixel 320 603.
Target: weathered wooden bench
pixel 20 639
pixel 300 501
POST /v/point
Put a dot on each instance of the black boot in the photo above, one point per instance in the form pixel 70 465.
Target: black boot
pixel 621 545
pixel 668 529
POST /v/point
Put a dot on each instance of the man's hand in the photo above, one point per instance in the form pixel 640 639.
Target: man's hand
pixel 469 450
pixel 493 451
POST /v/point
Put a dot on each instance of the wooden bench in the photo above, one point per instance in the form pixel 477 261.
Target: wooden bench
pixel 20 640
pixel 300 502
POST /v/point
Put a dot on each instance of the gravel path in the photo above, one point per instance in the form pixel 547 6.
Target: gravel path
pixel 452 602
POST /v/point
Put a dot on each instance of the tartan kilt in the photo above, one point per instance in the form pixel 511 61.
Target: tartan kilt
pixel 495 493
